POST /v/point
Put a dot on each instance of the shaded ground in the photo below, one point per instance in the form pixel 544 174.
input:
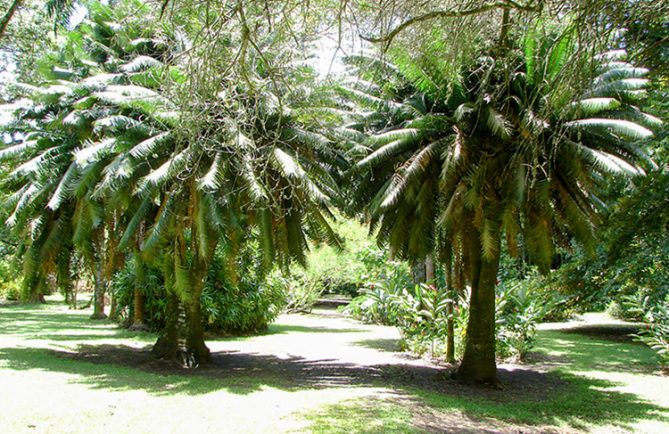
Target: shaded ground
pixel 327 373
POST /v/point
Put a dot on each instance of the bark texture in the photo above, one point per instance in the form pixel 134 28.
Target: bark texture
pixel 478 361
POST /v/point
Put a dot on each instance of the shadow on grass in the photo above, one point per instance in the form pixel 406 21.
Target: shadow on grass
pixel 578 352
pixel 528 396
pixel 608 332
pixel 29 321
pixel 387 344
pixel 290 328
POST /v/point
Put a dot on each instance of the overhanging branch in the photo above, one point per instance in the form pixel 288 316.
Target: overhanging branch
pixel 453 13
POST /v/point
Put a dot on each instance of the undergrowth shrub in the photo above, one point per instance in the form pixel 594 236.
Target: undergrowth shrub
pixel 655 332
pixel 421 314
pixel 245 305
pixel 10 284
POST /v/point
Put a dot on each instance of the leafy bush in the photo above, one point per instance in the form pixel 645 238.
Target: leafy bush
pixel 420 312
pixel 242 307
pixel 656 332
pixel 302 290
pixel 246 307
pixel 10 285
pixel 123 286
pixel 520 307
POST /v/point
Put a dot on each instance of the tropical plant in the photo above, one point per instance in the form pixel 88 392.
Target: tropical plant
pixel 519 148
pixel 655 333
pixel 165 161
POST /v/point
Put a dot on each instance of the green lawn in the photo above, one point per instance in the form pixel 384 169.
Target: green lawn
pixel 55 377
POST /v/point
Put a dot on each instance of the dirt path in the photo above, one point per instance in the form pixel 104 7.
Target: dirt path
pixel 326 350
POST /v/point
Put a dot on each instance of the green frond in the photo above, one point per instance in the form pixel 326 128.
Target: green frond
pixel 149 146
pixel 114 122
pixel 170 168
pixel 489 239
pixel 21 149
pixel 416 168
pixel 621 72
pixel 64 188
pixel 530 47
pixel 92 151
pixel 253 186
pixel 159 232
pixel 100 81
pixel 605 161
pixel 497 123
pixel 294 172
pixel 138 217
pixel 206 237
pixel 211 180
pixel 619 87
pixel 611 127
pixel 141 63
pixel 592 106
pixel 559 55
pixel 382 154
pixel 393 136
pixel 266 238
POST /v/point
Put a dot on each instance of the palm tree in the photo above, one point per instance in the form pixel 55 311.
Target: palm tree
pixel 226 165
pixel 518 151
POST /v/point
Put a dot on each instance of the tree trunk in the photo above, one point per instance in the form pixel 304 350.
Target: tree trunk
pixel 478 362
pixel 99 292
pixel 167 345
pixel 195 344
pixel 138 295
pixel 450 329
pixel 429 270
pixel 36 297
pixel 418 272
pixel 113 307
pixel 7 17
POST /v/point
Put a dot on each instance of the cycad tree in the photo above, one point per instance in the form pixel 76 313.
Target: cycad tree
pixel 520 149
pixel 175 163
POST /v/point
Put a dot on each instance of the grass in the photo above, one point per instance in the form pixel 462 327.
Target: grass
pixel 55 376
pixel 603 384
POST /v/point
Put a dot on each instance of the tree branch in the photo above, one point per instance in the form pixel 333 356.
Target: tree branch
pixel 452 13
pixel 7 17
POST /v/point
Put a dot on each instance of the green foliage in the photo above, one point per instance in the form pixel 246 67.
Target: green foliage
pixel 420 313
pixel 655 333
pixel 245 306
pixel 123 285
pixel 10 286
pixel 520 307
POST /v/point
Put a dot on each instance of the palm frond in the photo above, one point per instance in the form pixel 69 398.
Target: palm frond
pixel 615 127
pixel 141 63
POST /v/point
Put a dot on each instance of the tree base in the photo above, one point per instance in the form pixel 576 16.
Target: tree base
pixel 477 375
pixel 138 327
pixel 165 349
pixel 99 315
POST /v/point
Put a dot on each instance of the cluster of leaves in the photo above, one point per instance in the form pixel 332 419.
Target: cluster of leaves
pixel 520 307
pixel 421 313
pixel 247 304
pixel 655 333
pixel 10 286
pixel 633 256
